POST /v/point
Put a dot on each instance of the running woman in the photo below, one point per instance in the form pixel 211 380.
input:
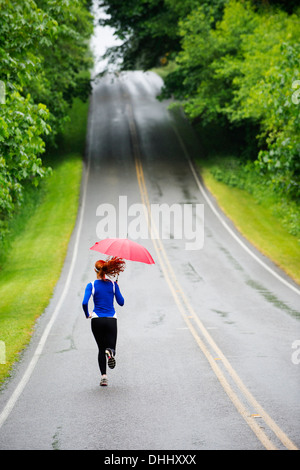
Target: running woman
pixel 104 318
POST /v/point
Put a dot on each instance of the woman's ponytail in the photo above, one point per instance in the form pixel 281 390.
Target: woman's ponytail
pixel 111 267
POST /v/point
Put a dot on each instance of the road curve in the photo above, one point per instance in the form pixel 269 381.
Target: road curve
pixel 205 356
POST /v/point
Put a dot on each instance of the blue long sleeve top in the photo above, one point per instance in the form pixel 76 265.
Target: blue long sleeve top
pixel 103 293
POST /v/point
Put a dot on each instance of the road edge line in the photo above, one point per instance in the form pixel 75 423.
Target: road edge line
pixel 41 344
pixel 225 225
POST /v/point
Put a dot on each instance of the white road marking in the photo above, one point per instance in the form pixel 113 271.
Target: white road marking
pixel 39 349
pixel 225 225
pixel 190 317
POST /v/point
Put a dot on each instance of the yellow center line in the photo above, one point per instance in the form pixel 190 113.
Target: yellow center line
pixel 192 320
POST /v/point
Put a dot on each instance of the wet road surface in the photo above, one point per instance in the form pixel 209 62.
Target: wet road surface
pixel 205 356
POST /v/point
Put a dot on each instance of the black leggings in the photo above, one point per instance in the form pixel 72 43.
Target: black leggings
pixel 105 332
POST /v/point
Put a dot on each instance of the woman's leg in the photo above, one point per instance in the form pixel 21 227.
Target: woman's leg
pixel 105 332
pixel 111 334
pixel 98 329
pixel 111 340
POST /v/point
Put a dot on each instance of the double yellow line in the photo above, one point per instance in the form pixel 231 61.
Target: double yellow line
pixel 205 342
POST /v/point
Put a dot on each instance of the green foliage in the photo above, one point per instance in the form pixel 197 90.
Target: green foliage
pixel 22 124
pixel 231 171
pixel 34 252
pixel 269 66
pixel 239 71
pixel 148 28
pixel 44 54
pixel 235 65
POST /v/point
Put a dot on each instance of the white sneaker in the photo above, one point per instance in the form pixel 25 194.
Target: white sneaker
pixel 111 361
pixel 103 382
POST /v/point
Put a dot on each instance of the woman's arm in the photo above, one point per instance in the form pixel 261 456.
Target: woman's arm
pixel 119 297
pixel 85 302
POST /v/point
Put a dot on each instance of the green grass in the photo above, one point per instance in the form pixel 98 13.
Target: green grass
pixel 40 233
pixel 164 71
pixel 269 221
pixel 255 220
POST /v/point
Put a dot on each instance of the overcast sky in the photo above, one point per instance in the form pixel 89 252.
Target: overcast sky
pixel 101 40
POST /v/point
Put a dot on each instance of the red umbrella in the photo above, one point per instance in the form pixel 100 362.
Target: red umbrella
pixel 123 248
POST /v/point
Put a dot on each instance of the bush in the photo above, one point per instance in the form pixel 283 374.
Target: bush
pixel 240 71
pixel 43 50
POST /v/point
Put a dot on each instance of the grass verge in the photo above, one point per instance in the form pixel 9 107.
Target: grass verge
pixel 256 220
pixel 39 238
pixel 269 221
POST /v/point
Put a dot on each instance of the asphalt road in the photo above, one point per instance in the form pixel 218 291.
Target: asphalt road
pixel 205 356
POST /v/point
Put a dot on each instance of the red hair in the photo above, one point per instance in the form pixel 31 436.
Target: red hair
pixel 110 267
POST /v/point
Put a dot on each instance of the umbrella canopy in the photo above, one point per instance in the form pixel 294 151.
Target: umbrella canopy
pixel 123 248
